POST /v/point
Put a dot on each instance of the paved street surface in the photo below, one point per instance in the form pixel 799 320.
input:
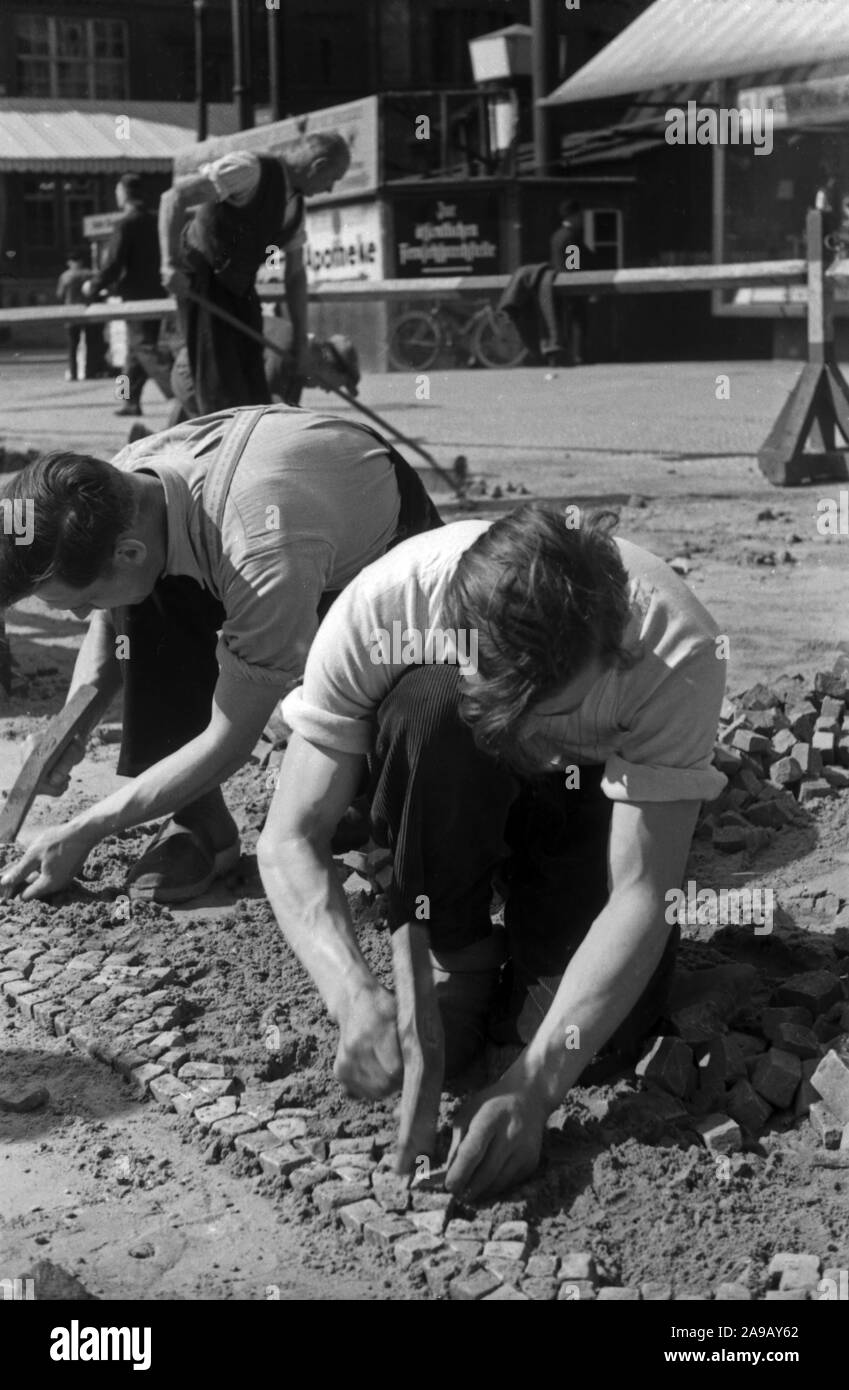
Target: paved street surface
pixel 592 430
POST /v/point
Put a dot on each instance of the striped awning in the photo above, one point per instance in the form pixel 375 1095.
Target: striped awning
pixel 73 137
pixel 677 41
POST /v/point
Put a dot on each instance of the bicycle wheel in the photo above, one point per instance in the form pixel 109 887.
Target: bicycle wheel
pixel 496 343
pixel 414 342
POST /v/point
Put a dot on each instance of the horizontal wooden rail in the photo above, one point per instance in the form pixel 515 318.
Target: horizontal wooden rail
pixel 643 280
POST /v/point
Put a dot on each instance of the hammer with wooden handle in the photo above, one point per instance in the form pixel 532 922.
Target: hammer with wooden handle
pixel 422 1045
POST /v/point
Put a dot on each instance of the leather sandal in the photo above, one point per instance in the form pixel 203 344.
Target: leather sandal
pixel 179 864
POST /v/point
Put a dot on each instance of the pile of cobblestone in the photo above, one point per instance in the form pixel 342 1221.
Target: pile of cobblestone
pixel 781 748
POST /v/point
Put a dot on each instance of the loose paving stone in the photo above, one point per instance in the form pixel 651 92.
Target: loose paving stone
pixel 361 1162
pixel 439 1270
pixel 189 1102
pixel 214 1087
pixel 287 1129
pixel 828 1129
pixel 816 991
pixel 540 1290
pixel 466 1248
pixel 618 1294
pixel 254 1141
pixel 772 1019
pixel 306 1178
pixel 207 1115
pixel 790 1271
pixel 817 790
pixel 831 1081
pixel 355 1175
pixel 508 1271
pixel 506 1294
pixel 431 1221
pixel 786 772
pixel 792 1037
pixel 669 1064
pixel 730 1292
pixel 776 1075
pixel 471 1288
pixel 478 1229
pixel 281 1161
pixel 656 1291
pixel 231 1125
pixel 332 1196
pixel 748 742
pixel 575 1291
pixel 434 1203
pixel 165 1089
pixel 384 1230
pixel 410 1250
pixel 143 1075
pixel 204 1071
pixel 23 1101
pixel 313 1146
pixel 364 1145
pixel 174 1058
pixel 512 1230
pixel 745 1106
pixel 391 1191
pixel 542 1266
pixel 576 1265
pixel 504 1250
pixel 353 1216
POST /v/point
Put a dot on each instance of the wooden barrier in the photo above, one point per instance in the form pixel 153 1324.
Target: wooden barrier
pixel 820 397
pixel 644 280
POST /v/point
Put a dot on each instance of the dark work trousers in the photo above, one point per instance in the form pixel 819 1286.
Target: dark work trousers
pixel 142 359
pixel 455 818
pixel 226 366
pixel 171 670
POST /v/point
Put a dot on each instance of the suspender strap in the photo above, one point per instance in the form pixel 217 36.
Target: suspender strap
pixel 219 477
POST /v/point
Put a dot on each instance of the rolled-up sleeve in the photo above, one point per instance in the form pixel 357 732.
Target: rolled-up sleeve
pixel 234 176
pixel 666 754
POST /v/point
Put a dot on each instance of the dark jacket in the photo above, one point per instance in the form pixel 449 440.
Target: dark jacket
pixel 131 262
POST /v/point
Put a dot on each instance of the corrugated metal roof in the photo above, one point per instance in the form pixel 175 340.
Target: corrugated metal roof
pixel 694 40
pixel 73 137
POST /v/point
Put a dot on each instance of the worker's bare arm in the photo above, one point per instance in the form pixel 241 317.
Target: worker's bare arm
pixel 190 190
pixel 240 711
pixel 316 786
pixel 500 1134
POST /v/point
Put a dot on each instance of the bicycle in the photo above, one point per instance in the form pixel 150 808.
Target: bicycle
pixel 486 336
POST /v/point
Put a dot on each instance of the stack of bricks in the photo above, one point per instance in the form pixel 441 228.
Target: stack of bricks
pixel 779 751
pixel 789 1065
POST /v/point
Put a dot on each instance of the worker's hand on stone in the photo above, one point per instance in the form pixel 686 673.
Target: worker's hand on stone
pixel 55 780
pixel 497 1141
pixel 368 1059
pixel 176 282
pixel 51 862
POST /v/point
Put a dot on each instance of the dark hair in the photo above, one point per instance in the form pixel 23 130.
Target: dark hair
pixel 80 506
pixel 132 186
pixel 546 592
pixel 569 207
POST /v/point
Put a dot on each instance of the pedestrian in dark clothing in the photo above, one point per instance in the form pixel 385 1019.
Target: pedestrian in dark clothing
pixel 569 251
pixel 131 270
pixel 69 290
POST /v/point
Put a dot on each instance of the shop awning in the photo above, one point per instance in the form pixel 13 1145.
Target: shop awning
pixel 77 137
pixel 678 41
